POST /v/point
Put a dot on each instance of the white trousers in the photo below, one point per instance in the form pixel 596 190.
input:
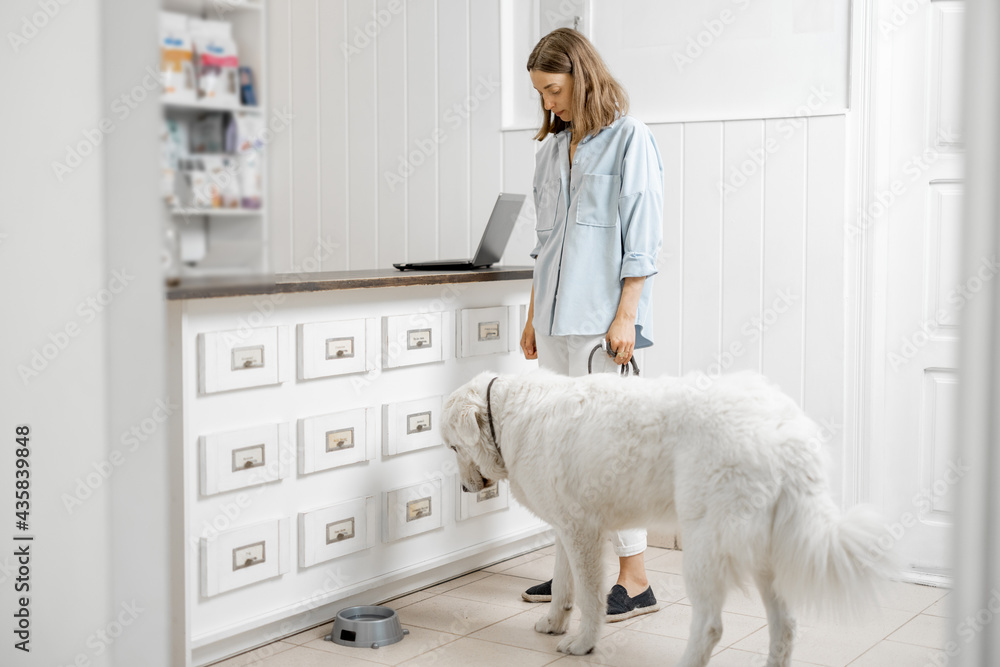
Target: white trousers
pixel 568 355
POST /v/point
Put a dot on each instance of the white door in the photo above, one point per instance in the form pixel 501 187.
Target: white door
pixel 918 208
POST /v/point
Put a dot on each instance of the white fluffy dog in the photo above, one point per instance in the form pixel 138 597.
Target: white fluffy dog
pixel 737 464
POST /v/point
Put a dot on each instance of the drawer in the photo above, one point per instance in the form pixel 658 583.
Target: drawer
pixel 245 457
pixel 337 348
pixel 243 358
pixel 482 331
pixel 244 556
pixel 411 425
pixel 336 439
pixel 412 510
pixel 412 339
pixel 337 530
pixel 470 505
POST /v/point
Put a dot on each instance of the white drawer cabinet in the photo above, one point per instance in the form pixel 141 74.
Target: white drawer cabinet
pixel 310 444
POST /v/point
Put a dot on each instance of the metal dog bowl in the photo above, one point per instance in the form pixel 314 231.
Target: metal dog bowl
pixel 366 626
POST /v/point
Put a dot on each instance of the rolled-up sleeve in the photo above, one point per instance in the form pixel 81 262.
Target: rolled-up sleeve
pixel 640 206
pixel 538 241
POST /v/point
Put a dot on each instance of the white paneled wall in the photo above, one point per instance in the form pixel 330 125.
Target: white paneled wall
pixel 395 153
pixel 395 143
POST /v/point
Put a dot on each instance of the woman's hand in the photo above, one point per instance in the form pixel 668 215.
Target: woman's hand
pixel 621 335
pixel 528 341
pixel 621 338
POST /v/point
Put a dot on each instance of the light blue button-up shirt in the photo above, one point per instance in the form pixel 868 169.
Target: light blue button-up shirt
pixel 597 224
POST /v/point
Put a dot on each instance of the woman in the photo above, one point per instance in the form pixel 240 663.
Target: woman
pixel 599 207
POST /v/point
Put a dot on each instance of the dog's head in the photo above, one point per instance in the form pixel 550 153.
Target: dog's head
pixel 466 430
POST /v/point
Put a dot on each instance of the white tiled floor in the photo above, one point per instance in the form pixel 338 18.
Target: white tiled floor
pixel 480 619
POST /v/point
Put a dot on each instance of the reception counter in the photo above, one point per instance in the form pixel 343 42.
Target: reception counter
pixel 308 448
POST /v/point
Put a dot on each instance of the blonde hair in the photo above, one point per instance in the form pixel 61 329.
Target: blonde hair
pixel 597 97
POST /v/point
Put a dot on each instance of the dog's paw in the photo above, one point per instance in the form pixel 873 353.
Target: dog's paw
pixel 548 626
pixel 576 645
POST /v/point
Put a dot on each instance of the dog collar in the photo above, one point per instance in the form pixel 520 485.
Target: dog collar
pixel 489 414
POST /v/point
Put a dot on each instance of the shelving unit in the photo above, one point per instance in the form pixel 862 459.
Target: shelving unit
pixel 216 212
pixel 201 105
pixel 222 241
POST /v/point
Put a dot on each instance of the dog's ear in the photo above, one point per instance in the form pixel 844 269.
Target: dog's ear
pixel 467 423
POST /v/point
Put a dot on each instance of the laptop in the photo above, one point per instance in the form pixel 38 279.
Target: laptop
pixel 491 246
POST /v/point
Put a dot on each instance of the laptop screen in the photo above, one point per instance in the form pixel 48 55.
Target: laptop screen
pixel 498 229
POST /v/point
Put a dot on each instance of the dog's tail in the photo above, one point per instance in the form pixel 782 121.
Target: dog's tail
pixel 824 560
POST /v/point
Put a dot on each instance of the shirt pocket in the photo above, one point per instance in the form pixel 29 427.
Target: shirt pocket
pixel 547 204
pixel 598 203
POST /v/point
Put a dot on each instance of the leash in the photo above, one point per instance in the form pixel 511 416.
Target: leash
pixel 489 414
pixel 631 368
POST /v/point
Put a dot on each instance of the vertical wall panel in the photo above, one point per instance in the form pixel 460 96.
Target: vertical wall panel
pixel 823 375
pixel 453 89
pixel 279 150
pixel 518 169
pixel 668 316
pixel 702 287
pixel 332 136
pixel 396 162
pixel 422 133
pixel 362 143
pixel 784 226
pixel 483 107
pixel 742 191
pixel 305 131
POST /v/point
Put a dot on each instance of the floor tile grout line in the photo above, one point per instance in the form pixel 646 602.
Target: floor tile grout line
pixel 865 652
pixel 523 648
pixel 924 610
pixel 727 646
pixel 450 641
pixel 328 653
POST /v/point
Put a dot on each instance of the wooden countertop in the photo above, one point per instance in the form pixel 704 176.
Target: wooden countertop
pixel 287 283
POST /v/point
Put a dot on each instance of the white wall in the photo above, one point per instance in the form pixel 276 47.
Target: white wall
pixel 361 105
pixel 60 243
pixel 726 257
pixel 976 434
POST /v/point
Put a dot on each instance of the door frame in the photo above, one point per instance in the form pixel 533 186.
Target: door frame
pixel 864 247
pixel 866 266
